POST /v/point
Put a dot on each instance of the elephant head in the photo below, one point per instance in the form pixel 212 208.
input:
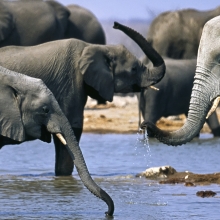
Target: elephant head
pixel 206 88
pixel 112 68
pixel 28 108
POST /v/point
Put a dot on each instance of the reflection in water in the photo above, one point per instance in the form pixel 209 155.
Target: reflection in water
pixel 29 189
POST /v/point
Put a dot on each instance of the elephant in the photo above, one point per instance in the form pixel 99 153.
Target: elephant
pixel 83 25
pixel 176 34
pixel 73 70
pixel 28 22
pixel 28 108
pixel 174 93
pixel 205 91
pixel 32 22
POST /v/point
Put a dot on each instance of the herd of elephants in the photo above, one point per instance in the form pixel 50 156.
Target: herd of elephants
pixel 52 57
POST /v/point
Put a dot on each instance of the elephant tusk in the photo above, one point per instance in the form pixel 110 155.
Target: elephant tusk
pixel 61 138
pixel 155 88
pixel 214 106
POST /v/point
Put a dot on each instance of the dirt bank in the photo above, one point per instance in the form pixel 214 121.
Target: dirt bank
pixel 122 116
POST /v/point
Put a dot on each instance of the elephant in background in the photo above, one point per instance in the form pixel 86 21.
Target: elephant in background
pixel 28 109
pixel 176 34
pixel 174 93
pixel 205 92
pixel 73 69
pixel 31 22
pixel 83 25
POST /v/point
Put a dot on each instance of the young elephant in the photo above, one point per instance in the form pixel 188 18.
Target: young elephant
pixel 174 93
pixel 73 69
pixel 27 109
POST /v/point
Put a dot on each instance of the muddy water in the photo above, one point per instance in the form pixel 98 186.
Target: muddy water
pixel 29 189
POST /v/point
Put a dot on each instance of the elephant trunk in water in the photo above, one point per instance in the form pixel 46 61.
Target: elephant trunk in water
pixel 78 159
pixel 155 74
pixel 203 93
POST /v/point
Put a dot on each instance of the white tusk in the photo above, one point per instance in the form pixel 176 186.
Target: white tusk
pixel 155 88
pixel 61 138
pixel 214 106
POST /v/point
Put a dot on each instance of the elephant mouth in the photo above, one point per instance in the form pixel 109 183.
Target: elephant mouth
pixel 46 135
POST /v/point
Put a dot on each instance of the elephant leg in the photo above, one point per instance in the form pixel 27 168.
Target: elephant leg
pixel 63 162
pixel 213 123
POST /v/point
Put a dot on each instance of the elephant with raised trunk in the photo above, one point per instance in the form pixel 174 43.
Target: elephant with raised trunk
pixel 173 96
pixel 28 108
pixel 73 69
pixel 176 34
pixel 206 88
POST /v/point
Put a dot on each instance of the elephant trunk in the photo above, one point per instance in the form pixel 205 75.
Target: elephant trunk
pixel 200 104
pixel 78 159
pixel 154 74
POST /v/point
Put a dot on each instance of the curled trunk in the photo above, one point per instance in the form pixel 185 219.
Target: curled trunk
pixel 200 104
pixel 155 74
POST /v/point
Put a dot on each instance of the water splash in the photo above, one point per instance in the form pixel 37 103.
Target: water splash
pixel 142 146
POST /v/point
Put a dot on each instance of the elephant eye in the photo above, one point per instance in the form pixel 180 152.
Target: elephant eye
pixel 46 109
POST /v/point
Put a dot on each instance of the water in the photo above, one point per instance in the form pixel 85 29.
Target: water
pixel 29 189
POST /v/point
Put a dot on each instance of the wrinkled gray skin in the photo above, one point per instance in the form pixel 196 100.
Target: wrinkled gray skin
pixel 176 34
pixel 30 22
pixel 73 69
pixel 28 108
pixel 83 25
pixel 206 88
pixel 174 94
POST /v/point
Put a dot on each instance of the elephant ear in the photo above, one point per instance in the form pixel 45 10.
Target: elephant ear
pixel 11 125
pixel 6 22
pixel 94 66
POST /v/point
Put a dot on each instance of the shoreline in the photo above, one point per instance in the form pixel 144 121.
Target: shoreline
pixel 122 117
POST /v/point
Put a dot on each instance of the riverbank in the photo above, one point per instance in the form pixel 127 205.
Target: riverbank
pixel 122 116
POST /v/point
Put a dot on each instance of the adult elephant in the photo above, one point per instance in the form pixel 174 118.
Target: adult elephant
pixel 83 25
pixel 176 34
pixel 29 22
pixel 28 109
pixel 32 22
pixel 205 88
pixel 174 93
pixel 73 69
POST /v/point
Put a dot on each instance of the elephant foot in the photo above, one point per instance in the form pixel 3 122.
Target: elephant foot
pixel 216 132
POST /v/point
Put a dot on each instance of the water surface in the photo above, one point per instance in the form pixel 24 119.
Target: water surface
pixel 29 189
